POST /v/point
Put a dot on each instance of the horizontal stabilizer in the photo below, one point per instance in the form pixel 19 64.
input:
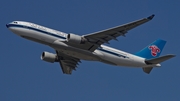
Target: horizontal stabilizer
pixel 147 69
pixel 159 59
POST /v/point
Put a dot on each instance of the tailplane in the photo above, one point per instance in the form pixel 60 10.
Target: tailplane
pixel 156 61
pixel 147 69
pixel 151 54
pixel 159 59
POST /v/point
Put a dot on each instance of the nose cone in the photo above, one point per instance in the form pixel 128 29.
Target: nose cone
pixel 7 25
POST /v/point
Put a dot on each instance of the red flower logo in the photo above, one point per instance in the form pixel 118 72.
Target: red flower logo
pixel 154 50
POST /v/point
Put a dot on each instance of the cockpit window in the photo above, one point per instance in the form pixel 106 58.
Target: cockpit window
pixel 15 22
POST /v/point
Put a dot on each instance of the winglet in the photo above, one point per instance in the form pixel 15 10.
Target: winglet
pixel 151 17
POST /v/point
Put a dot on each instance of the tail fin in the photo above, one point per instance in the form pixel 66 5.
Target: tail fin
pixel 153 50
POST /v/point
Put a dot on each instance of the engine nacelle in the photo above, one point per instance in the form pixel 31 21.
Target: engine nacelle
pixel 49 57
pixel 73 38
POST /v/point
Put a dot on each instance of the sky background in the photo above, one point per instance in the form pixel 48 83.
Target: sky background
pixel 24 77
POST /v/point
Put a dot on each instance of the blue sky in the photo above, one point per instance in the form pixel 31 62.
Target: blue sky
pixel 24 77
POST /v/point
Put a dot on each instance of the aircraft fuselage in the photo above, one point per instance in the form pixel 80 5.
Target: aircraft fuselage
pixel 57 40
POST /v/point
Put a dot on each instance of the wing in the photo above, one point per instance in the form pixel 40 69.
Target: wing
pixel 101 37
pixel 67 63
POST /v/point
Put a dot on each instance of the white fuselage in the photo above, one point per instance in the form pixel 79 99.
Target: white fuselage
pixel 57 40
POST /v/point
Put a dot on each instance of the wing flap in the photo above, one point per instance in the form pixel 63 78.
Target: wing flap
pixel 67 63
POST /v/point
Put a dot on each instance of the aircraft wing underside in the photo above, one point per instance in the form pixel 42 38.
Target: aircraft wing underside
pixel 104 36
pixel 67 63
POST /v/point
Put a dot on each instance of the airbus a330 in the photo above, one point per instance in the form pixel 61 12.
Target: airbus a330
pixel 71 48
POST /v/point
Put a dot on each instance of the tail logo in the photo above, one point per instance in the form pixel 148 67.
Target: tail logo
pixel 154 50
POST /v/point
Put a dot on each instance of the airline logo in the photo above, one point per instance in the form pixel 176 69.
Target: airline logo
pixel 154 50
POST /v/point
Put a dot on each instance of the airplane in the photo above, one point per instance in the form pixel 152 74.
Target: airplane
pixel 72 48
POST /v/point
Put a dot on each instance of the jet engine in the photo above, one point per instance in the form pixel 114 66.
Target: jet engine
pixel 73 38
pixel 49 57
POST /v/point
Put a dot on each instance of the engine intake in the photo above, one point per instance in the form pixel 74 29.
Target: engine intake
pixel 73 38
pixel 49 57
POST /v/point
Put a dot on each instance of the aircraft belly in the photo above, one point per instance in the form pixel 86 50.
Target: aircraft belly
pixel 123 61
pixel 74 52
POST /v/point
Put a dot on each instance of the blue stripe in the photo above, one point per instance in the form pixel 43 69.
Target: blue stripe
pixel 55 35
pixel 45 32
pixel 113 53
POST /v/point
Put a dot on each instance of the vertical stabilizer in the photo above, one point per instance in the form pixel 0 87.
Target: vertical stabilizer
pixel 153 50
